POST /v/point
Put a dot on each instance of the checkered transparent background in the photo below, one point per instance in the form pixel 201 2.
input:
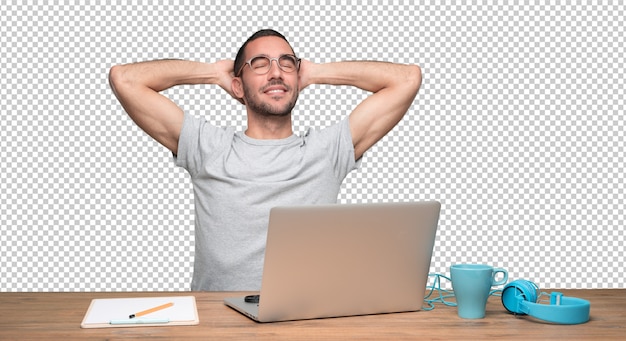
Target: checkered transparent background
pixel 518 130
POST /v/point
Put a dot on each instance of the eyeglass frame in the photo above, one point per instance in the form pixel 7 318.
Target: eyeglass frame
pixel 249 62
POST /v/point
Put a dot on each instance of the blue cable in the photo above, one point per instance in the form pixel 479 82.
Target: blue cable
pixel 443 294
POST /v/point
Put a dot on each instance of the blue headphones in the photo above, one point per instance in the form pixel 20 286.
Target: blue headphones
pixel 520 297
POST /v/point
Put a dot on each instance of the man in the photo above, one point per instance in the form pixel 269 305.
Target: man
pixel 239 176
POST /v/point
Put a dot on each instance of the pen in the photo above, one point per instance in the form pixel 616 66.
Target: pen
pixel 151 310
pixel 139 321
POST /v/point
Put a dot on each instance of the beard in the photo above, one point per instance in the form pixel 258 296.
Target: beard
pixel 267 109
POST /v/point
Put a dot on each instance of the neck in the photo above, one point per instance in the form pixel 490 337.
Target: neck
pixel 269 127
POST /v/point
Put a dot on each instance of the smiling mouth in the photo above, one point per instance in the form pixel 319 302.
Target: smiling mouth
pixel 276 88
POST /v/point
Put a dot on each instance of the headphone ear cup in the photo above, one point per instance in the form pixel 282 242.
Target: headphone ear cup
pixel 517 292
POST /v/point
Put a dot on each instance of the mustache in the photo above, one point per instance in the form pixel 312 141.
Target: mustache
pixel 274 83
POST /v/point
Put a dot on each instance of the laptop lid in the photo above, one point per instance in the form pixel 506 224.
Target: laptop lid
pixel 342 260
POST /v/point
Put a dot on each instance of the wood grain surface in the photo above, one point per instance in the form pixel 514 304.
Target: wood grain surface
pixel 57 316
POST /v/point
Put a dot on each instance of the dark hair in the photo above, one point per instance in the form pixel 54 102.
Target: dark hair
pixel 239 60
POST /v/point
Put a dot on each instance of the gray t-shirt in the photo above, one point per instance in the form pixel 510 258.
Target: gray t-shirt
pixel 237 180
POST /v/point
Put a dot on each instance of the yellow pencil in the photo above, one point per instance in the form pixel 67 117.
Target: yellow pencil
pixel 151 310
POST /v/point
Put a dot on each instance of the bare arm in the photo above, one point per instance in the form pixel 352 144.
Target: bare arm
pixel 137 87
pixel 394 88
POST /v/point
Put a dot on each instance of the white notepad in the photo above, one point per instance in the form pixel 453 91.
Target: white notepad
pixel 115 312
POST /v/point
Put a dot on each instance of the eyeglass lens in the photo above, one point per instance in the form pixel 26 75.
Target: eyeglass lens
pixel 263 64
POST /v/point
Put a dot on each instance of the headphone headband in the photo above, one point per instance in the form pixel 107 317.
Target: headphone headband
pixel 520 297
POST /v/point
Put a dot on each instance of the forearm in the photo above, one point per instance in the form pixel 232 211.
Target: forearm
pixel 367 75
pixel 159 75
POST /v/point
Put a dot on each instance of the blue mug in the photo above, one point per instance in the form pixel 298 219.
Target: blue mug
pixel 471 284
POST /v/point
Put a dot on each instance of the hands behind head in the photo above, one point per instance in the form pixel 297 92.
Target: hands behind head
pixel 225 70
pixel 304 75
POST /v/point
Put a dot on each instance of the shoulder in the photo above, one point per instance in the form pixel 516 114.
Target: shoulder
pixel 198 137
pixel 334 140
pixel 200 127
pixel 333 132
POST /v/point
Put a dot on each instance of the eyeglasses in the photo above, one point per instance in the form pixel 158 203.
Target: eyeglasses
pixel 262 64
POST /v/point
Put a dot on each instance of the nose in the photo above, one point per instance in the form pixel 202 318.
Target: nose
pixel 275 71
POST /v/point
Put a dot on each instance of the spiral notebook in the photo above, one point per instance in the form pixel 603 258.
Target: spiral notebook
pixel 141 311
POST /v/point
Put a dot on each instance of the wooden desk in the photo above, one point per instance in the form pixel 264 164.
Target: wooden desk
pixel 57 316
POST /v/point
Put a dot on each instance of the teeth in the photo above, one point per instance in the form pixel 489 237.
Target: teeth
pixel 272 91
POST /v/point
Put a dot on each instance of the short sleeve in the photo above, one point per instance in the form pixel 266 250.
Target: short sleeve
pixel 336 143
pixel 200 142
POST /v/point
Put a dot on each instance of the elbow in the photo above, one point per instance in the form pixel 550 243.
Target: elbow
pixel 121 78
pixel 116 76
pixel 414 77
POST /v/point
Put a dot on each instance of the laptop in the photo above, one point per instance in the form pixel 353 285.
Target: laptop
pixel 343 260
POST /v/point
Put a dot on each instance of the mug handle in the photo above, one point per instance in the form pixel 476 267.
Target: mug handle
pixel 504 279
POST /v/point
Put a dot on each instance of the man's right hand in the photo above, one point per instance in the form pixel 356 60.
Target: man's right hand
pixel 226 74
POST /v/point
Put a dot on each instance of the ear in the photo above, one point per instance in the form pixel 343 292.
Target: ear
pixel 237 88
